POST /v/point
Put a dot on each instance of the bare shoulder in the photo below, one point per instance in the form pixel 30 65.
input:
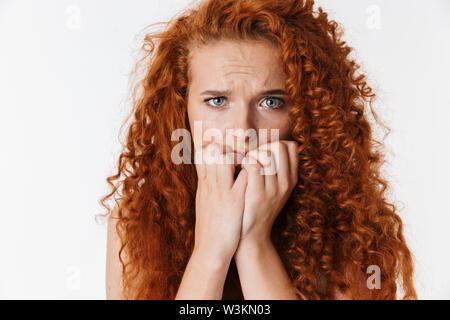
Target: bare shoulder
pixel 114 290
pixel 114 269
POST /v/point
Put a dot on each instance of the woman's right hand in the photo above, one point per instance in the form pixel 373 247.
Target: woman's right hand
pixel 219 205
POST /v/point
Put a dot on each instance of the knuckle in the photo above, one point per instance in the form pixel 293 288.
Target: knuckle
pixel 252 167
pixel 284 186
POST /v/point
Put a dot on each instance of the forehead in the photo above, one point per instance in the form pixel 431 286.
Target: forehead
pixel 227 62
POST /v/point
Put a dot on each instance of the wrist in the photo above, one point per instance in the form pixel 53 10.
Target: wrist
pixel 209 261
pixel 251 247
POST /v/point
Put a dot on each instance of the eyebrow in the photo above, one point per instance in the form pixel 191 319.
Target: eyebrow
pixel 227 92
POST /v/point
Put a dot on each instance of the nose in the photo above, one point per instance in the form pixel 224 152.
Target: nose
pixel 241 132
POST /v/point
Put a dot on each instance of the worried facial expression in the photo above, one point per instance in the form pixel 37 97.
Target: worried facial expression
pixel 237 88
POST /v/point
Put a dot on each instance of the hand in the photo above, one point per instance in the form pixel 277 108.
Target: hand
pixel 270 184
pixel 219 205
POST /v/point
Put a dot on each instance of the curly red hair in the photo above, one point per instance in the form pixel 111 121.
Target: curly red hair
pixel 336 220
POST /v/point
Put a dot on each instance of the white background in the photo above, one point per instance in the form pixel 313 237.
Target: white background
pixel 63 78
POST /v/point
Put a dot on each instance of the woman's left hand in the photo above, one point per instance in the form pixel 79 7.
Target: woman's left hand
pixel 272 176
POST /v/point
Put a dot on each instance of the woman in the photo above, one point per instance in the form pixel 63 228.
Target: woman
pixel 317 228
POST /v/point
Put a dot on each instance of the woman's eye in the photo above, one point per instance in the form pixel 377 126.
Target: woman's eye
pixel 215 102
pixel 272 104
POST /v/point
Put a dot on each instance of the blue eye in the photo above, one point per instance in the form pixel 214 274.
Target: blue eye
pixel 212 99
pixel 272 105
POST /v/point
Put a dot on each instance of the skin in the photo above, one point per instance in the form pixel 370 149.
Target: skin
pixel 113 265
pixel 234 212
pixel 235 217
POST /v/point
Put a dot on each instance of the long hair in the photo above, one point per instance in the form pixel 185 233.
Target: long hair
pixel 337 221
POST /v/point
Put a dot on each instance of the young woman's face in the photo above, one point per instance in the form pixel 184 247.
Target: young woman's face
pixel 237 85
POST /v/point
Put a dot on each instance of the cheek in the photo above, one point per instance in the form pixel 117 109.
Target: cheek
pixel 205 132
pixel 196 121
pixel 285 131
pixel 192 118
pixel 199 112
pixel 283 125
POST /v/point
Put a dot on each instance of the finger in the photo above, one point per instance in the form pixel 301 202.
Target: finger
pixel 283 172
pixel 269 154
pixel 241 183
pixel 225 170
pixel 293 160
pixel 199 163
pixel 211 157
pixel 254 170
